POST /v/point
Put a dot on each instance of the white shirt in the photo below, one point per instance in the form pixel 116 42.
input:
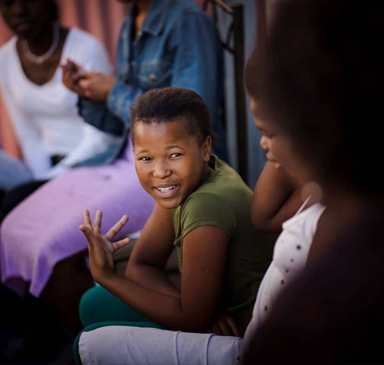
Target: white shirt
pixel 45 117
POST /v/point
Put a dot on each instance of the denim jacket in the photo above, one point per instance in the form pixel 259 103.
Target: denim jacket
pixel 177 45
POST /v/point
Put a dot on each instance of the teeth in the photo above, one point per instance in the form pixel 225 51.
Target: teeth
pixel 163 190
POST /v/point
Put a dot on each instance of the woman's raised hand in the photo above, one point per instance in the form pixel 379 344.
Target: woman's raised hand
pixel 101 247
pixel 95 86
pixel 72 74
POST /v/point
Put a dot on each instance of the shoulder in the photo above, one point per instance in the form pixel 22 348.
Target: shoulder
pixel 312 215
pixel 8 59
pixel 81 38
pixel 210 200
pixel 213 198
pixel 223 182
pixel 207 208
pixel 223 197
pixel 226 182
pixel 7 51
pixel 87 50
pixel 227 185
pixel 305 224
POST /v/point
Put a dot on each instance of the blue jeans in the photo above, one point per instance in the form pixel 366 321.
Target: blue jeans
pixel 13 172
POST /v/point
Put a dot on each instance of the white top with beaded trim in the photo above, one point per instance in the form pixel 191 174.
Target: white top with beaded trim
pixel 289 259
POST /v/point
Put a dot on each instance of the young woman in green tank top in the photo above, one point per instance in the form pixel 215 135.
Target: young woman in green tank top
pixel 202 208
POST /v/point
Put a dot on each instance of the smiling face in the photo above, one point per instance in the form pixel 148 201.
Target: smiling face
pixel 170 163
pixel 26 18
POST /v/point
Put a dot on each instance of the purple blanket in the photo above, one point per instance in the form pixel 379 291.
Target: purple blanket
pixel 43 229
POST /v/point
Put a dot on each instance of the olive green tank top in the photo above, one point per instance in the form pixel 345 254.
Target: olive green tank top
pixel 224 200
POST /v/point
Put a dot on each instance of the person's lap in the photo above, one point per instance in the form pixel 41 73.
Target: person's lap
pixel 135 345
pixel 43 229
pixel 99 308
pixel 133 339
pixel 99 305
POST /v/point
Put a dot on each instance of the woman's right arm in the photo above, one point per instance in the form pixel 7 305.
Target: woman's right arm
pixel 151 252
pixel 276 198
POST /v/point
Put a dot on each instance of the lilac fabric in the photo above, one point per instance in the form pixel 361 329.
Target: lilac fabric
pixel 43 229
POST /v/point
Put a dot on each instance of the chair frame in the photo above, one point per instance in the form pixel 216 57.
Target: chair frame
pixel 235 31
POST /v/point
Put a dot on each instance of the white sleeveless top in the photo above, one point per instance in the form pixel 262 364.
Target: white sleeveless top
pixel 289 259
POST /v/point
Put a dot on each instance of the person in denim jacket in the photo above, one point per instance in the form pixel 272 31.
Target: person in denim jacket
pixel 176 44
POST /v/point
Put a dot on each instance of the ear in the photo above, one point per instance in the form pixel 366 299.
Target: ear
pixel 206 148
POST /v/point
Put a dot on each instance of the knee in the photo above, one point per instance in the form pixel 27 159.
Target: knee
pixel 75 349
pixel 88 303
pixel 76 344
pixel 9 201
pixel 14 197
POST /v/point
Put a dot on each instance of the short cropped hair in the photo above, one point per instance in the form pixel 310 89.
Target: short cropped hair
pixel 170 104
pixel 319 77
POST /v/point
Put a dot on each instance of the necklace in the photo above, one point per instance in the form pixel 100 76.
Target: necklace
pixel 40 59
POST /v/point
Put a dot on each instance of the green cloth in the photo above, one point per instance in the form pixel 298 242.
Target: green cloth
pixel 100 308
pixel 99 305
pixel 224 201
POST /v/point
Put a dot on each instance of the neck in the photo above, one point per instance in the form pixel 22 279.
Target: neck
pixel 41 41
pixel 207 172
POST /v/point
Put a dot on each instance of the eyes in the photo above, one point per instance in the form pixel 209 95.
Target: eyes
pixel 147 159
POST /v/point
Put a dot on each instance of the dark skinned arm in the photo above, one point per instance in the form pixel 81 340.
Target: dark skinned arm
pixel 151 252
pixel 276 198
pixel 203 273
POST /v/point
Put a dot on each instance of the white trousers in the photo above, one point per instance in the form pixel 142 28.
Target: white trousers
pixel 134 345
